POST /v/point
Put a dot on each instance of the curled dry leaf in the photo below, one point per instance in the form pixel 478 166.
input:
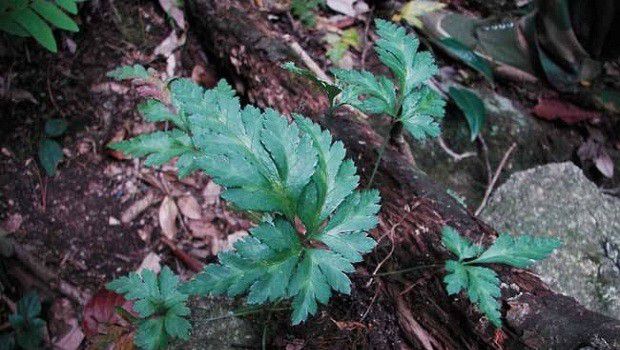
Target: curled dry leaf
pixel 100 313
pixel 167 217
pixel 189 207
pixel 348 7
pixel 171 7
pixel 129 214
pixel 551 109
pixel 596 153
pixel 605 165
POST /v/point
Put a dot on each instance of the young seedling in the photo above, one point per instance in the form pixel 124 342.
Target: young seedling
pixel 314 222
pixel 481 283
pixel 407 99
pixel 160 305
pixel 28 328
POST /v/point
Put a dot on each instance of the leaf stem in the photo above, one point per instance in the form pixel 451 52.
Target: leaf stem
pixel 386 140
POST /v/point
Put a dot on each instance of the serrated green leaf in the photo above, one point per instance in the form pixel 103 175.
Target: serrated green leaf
pixel 333 180
pixel 36 26
pixel 55 127
pixel 159 147
pixel 160 304
pixel 398 51
pixel 421 113
pixel 261 264
pixel 458 244
pixel 54 15
pixel 472 107
pixel 377 94
pixel 69 6
pixel 151 334
pixel 308 286
pixel 357 213
pixel 136 71
pixel 465 54
pixel 520 251
pixel 456 279
pixel 331 90
pixel 154 111
pixel 483 290
pixel 50 154
pixel 272 162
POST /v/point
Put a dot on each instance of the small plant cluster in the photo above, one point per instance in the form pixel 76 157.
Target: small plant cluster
pixel 50 151
pixel 35 18
pixel 304 10
pixel 481 283
pixel 314 222
pixel 28 328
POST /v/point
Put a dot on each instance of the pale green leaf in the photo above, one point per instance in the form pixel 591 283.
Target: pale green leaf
pixel 128 72
pixel 414 9
pixel 159 147
pixel 520 251
pixel 458 244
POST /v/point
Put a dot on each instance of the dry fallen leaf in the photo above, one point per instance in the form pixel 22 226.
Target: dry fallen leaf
pixel 150 262
pixel 138 207
pixel 605 165
pixel 348 7
pixel 189 207
pixel 202 229
pixel 167 217
pixel 171 7
pixel 211 193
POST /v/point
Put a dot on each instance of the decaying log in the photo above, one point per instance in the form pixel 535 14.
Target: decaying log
pixel 250 48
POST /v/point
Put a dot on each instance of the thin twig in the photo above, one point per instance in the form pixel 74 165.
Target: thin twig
pixel 397 272
pixel 306 59
pixel 366 40
pixel 498 171
pixel 455 156
pixel 384 144
pixel 485 154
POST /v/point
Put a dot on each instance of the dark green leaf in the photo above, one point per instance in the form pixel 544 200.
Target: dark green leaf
pixel 472 107
pixel 34 25
pixel 54 15
pixel 50 154
pixel 331 90
pixel 466 55
pixel 55 127
pixel 69 6
pixel 128 72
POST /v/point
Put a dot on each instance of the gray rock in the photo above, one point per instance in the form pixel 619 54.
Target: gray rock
pixel 538 142
pixel 558 200
pixel 221 334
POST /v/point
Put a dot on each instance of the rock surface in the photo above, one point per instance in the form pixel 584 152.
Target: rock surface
pixel 538 142
pixel 558 200
pixel 221 334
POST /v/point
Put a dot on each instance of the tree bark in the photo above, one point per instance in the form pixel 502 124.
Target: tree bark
pixel 251 49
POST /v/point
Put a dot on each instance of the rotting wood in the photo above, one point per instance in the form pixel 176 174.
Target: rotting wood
pixel 250 50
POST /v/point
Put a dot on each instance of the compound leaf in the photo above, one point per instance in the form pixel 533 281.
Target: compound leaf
pixel 520 251
pixel 398 51
pixel 421 113
pixel 458 244
pixel 378 94
pixel 159 147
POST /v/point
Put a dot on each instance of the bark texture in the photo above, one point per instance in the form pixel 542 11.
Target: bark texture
pixel 251 49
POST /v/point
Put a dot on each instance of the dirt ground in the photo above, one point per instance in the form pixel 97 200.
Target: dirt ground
pixel 73 222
